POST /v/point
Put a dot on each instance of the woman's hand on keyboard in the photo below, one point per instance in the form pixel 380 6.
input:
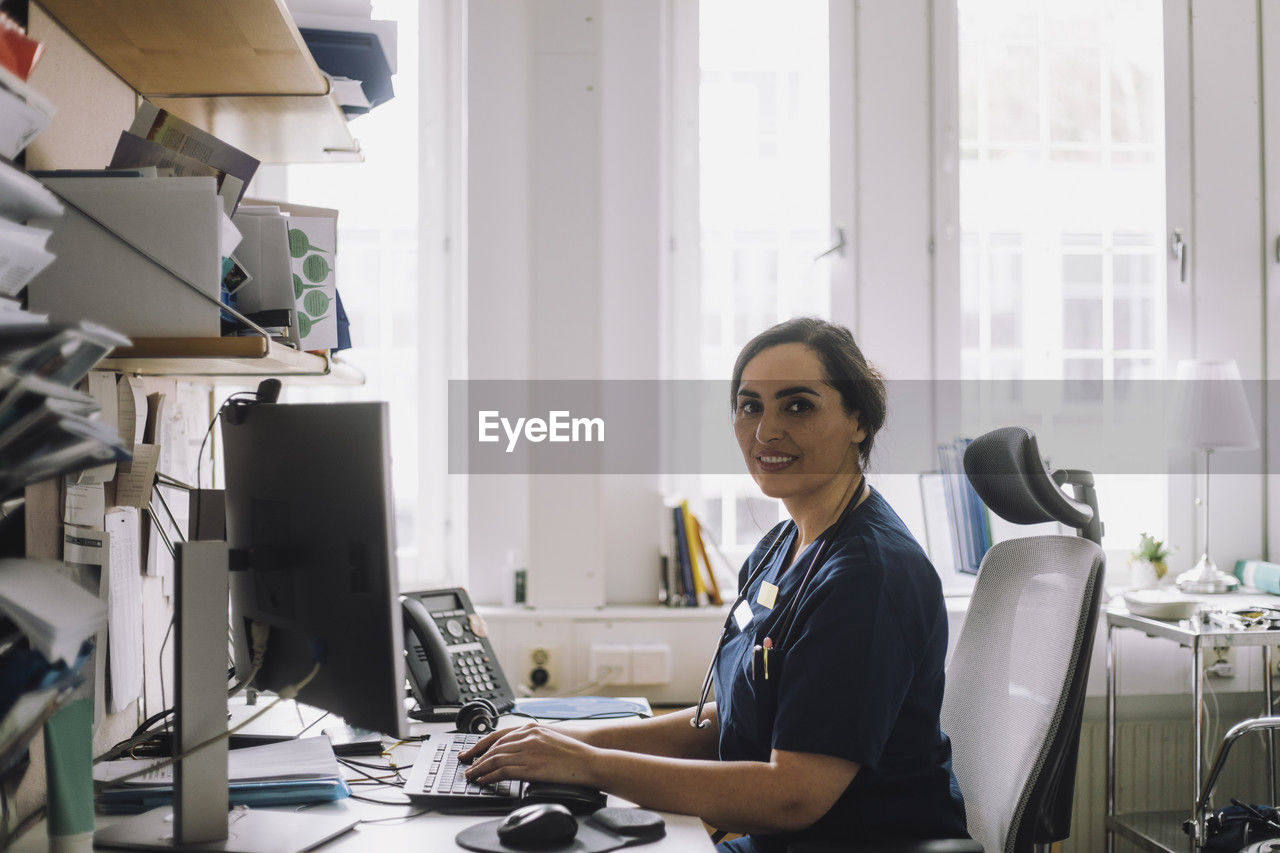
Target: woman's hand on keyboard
pixel 533 753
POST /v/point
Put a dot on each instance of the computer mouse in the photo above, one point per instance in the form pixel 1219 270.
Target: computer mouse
pixel 537 825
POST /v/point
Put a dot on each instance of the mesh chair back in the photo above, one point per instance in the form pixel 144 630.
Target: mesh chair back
pixel 1011 706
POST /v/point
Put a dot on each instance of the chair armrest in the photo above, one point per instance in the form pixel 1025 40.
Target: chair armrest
pixel 937 845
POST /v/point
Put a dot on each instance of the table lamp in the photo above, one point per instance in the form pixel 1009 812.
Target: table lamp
pixel 1211 414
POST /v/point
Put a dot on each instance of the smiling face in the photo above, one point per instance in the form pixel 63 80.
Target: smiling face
pixel 796 437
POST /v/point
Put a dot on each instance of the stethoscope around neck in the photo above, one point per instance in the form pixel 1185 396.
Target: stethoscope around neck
pixel 789 616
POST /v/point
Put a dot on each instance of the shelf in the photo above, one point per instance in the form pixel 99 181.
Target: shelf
pixel 239 70
pixel 226 358
pixel 1157 832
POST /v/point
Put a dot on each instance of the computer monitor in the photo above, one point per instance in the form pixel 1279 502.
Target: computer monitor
pixel 310 528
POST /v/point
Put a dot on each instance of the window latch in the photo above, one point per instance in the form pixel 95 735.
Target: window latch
pixel 1178 250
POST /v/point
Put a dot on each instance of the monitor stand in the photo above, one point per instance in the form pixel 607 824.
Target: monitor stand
pixel 199 818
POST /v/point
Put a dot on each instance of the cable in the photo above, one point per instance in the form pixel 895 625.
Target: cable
pixel 381 780
pixel 200 453
pixel 403 818
pixel 164 700
pixel 286 693
pixel 311 724
pixel 405 802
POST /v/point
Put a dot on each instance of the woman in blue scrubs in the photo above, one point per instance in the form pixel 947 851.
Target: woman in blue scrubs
pixel 829 676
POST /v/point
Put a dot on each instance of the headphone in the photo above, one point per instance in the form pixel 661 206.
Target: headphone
pixel 477 717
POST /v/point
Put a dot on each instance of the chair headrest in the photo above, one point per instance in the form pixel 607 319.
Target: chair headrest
pixel 1007 472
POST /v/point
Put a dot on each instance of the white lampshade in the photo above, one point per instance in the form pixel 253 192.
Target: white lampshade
pixel 1210 411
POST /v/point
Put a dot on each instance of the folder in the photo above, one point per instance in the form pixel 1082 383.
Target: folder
pixel 114 278
pixel 264 253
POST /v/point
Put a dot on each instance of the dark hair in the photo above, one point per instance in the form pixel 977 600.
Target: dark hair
pixel 860 385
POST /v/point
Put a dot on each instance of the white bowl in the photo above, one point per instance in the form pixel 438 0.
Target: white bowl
pixel 1160 603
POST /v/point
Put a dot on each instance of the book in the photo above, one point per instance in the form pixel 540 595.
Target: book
pixel 133 151
pixel 123 801
pixel 713 587
pixel 690 544
pixel 965 511
pixel 162 127
pixel 688 594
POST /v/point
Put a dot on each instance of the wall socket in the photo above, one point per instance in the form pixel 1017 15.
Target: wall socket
pixel 540 668
pixel 610 664
pixel 1220 662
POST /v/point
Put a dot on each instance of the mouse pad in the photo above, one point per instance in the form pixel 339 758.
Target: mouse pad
pixel 483 837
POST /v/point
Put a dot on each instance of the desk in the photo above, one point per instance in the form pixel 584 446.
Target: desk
pixel 1147 829
pixel 426 832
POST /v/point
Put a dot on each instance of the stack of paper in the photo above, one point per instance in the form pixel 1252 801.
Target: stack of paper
pixel 53 611
pixel 292 771
pixel 24 113
pixel 47 427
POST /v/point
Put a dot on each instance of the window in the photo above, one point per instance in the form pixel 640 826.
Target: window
pixel 378 277
pixel 764 200
pixel 1062 205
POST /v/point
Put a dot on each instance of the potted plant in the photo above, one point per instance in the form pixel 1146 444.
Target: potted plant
pixel 1147 564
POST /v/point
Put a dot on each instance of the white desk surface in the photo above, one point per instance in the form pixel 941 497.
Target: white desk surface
pixel 402 826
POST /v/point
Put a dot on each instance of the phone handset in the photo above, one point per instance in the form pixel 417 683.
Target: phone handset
pixel 431 674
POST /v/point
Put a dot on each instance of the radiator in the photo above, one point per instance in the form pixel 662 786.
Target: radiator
pixel 1153 773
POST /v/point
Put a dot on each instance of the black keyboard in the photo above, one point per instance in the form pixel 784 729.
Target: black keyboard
pixel 438 779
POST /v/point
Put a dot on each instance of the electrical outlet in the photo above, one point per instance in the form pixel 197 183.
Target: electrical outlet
pixel 610 664
pixel 1220 662
pixel 651 664
pixel 541 668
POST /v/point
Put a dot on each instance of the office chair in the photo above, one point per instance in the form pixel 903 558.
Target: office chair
pixel 1015 684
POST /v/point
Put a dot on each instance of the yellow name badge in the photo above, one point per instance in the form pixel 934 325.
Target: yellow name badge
pixel 768 595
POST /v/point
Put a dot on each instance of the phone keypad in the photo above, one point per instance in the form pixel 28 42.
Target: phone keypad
pixel 476 674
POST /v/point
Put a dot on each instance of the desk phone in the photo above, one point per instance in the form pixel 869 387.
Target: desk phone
pixel 449 658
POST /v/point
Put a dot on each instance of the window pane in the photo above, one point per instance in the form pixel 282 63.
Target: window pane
pixel 764 198
pixel 1061 197
pixel 1014 94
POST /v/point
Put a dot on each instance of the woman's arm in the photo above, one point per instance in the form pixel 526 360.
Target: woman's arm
pixel 669 735
pixel 787 793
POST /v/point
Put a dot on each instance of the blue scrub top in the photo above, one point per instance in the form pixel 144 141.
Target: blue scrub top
pixel 861 680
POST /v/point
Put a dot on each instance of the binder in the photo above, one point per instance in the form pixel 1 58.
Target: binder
pixel 99 276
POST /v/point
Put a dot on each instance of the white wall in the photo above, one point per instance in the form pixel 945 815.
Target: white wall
pixel 564 226
pixel 1215 174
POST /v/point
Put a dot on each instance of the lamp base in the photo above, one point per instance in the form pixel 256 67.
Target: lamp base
pixel 1207 578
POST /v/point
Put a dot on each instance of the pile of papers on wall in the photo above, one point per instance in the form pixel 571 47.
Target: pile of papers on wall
pixel 48 428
